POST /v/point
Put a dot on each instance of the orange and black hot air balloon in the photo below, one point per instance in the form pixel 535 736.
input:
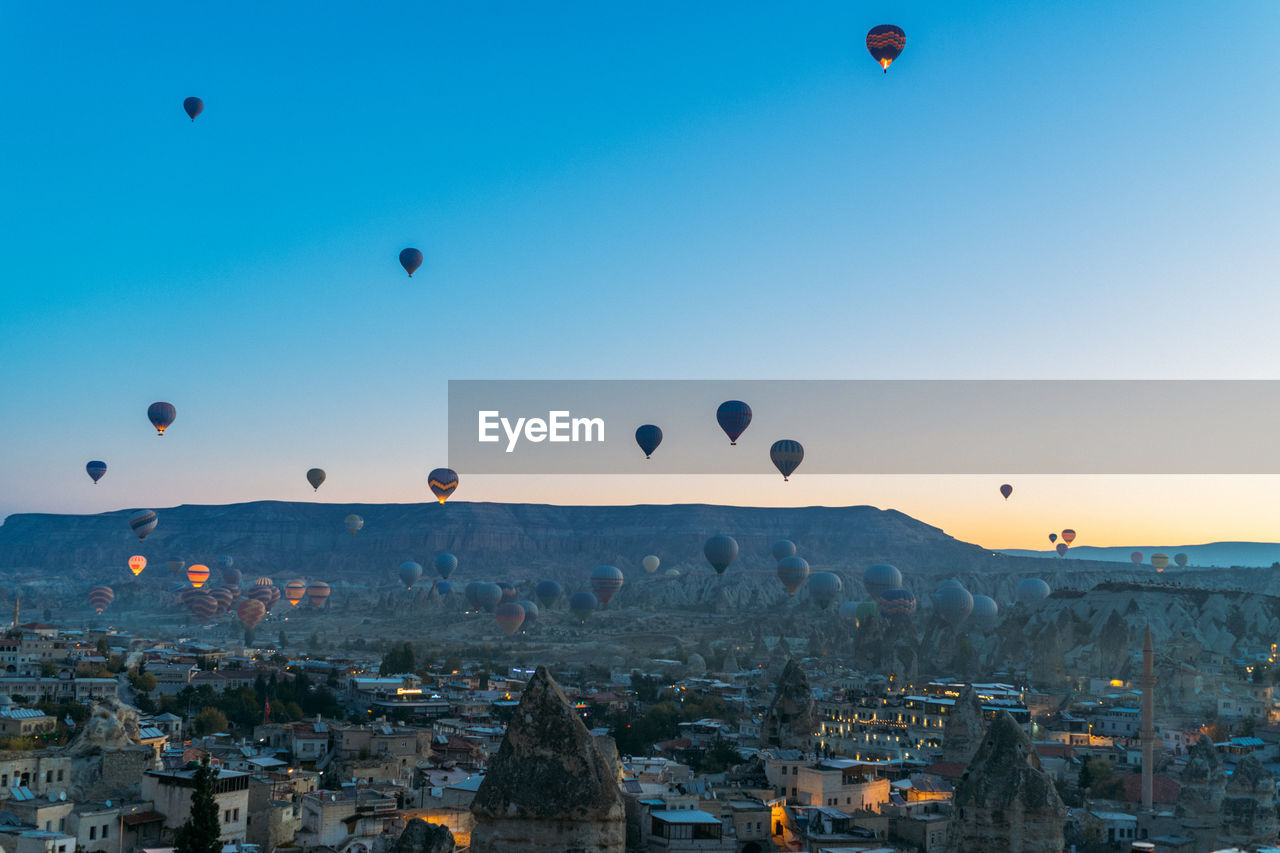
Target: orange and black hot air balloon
pixel 885 42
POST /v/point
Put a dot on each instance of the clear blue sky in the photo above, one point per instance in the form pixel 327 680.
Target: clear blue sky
pixel 668 190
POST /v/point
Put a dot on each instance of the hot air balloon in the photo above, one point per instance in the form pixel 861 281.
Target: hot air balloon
pixel 896 603
pixel 1160 562
pixel 318 593
pixel 224 597
pixel 295 591
pixel 232 577
pixel 885 42
pixel 531 612
pixel 1061 548
pixel 203 606
pixel 605 583
pixel 1006 490
pixel 488 596
pixel 986 613
pixel 1180 559
pixel 824 588
pixel 353 523
pixel 443 482
pixel 175 565
pixel 198 574
pixel 881 576
pixel 410 573
pixel 261 593
pixel 508 590
pixel 444 564
pixel 193 106
pixel 315 476
pixel 864 611
pixel 783 548
pixel 410 259
pixel 443 588
pixel 793 571
pixel 264 581
pixel 734 416
pixel 96 469
pixel 786 456
pixel 954 603
pixel 1053 537
pixel 1068 536
pixel 650 563
pixel 250 613
pixel 162 416
pixel 1136 558
pixel 720 551
pixel 648 437
pixel 137 563
pixel 510 616
pixel 143 522
pixel 470 593
pixel 100 597
pixel 1032 590
pixel 548 592
pixel 225 562
pixel 582 604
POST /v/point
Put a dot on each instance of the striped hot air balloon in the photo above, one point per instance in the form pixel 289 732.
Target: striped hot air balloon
pixel 510 616
pixel 143 522
pixel 786 456
pixel 96 469
pixel 605 582
pixel 224 597
pixel 734 416
pixel 295 591
pixel 100 598
pixel 162 416
pixel 250 613
pixel 896 602
pixel 318 593
pixel 443 482
pixel 885 43
pixel 197 574
pixel 793 571
pixel 264 581
pixel 137 563
pixel 203 606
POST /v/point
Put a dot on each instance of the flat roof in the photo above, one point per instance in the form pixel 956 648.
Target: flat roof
pixel 685 816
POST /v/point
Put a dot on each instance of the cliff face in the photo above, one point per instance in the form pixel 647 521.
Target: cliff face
pixel 1005 801
pixel 965 727
pixel 550 788
pixel 1204 783
pixel 791 719
pixel 1249 806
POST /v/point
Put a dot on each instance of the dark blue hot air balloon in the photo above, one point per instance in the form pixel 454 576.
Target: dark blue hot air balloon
pixel 793 571
pixel 444 564
pixel 648 437
pixel 885 43
pixel 824 588
pixel 410 572
pixel 548 592
pixel 96 469
pixel 443 587
pixel 582 604
pixel 787 456
pixel 783 548
pixel 734 416
pixel 161 415
pixel 410 259
pixel 488 596
pixel 896 603
pixel 881 576
pixel 193 106
pixel 720 551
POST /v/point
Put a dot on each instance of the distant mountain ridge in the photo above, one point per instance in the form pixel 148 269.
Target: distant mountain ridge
pixel 1209 554
pixel 519 540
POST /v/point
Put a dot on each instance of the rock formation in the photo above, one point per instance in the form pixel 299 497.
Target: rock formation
pixel 111 725
pixel 965 727
pixel 1004 801
pixel 106 760
pixel 1249 806
pixel 791 719
pixel 1204 782
pixel 422 837
pixel 549 789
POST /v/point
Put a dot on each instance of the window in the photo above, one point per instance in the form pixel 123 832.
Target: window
pixel 48 776
pixel 93 833
pixel 105 827
pixel 59 775
pixel 226 816
pixel 235 814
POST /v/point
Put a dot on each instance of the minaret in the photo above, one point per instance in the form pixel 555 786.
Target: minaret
pixel 1148 684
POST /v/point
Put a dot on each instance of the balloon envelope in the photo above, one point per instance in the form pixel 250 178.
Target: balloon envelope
pixel 295 591
pixel 734 416
pixel 824 588
pixel 231 577
pixel 162 416
pixel 885 44
pixel 1160 562
pixel 410 572
pixel 548 592
pixel 225 562
pixel 315 477
pixel 896 603
pixel 783 548
pixel 510 616
pixel 100 597
pixel 787 456
pixel 720 552
pixel 442 481
pixel 444 564
pixel 488 596
pixel 531 612
pixel 1031 590
pixel 582 604
pixel 193 107
pixel 651 563
pixel 137 563
pixel 605 582
pixel 954 603
pixel 1006 490
pixel 318 593
pixel 143 522
pixel 881 576
pixel 793 571
pixel 1180 559
pixel 1068 536
pixel 985 612
pixel 197 574
pixel 353 523
pixel 250 612
pixel 175 565
pixel 410 259
pixel 648 437
pixel 96 469
pixel 1061 548
pixel 443 587
pixel 1136 558
pixel 1053 537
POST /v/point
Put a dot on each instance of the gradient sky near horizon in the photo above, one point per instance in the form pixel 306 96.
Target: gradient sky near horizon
pixel 719 190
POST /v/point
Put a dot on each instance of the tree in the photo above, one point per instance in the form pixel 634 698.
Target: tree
pixel 399 659
pixel 202 832
pixel 208 721
pixel 142 681
pixel 48 669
